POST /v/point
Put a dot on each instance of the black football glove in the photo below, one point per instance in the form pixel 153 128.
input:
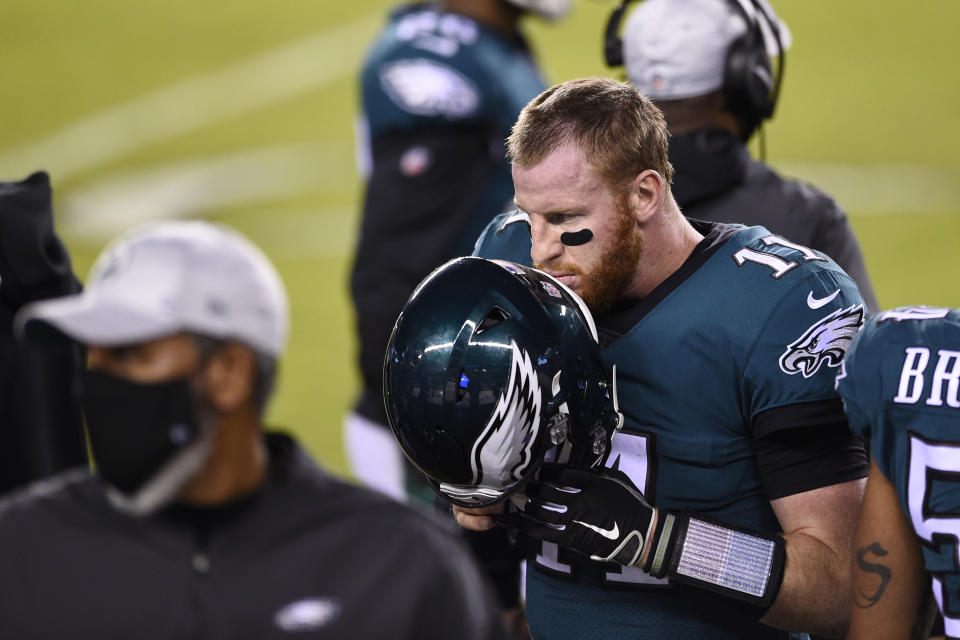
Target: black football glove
pixel 598 516
pixel 608 520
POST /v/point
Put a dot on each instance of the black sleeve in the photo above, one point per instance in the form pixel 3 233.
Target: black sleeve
pixel 806 446
pixel 499 558
pixel 422 193
pixel 40 423
pixel 495 552
pixel 458 601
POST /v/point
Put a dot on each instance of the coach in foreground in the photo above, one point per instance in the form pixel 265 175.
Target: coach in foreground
pixel 197 524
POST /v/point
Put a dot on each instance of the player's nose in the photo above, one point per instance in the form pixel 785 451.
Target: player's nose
pixel 545 245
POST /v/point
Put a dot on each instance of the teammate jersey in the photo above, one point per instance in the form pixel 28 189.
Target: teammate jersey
pixel 429 68
pixel 742 341
pixel 900 385
pixel 432 71
pixel 440 93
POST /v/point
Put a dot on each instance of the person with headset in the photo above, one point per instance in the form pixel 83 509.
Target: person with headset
pixel 707 65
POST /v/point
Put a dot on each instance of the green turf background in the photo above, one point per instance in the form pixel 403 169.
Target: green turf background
pixel 870 90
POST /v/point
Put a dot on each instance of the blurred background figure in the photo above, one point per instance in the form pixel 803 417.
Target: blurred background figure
pixel 715 68
pixel 40 423
pixel 441 87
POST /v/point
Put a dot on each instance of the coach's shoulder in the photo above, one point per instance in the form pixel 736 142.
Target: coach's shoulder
pixel 46 502
pixel 351 501
pixel 367 510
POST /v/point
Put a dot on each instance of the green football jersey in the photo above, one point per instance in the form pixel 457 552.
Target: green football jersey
pixel 433 71
pixel 731 347
pixel 900 385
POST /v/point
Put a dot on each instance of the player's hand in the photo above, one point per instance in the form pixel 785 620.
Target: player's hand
pixel 596 515
pixel 516 623
pixel 479 519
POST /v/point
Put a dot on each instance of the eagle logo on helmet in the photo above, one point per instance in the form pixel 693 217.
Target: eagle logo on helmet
pixel 825 342
pixel 504 450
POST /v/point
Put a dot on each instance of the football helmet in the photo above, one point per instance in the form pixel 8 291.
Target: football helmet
pixel 493 367
pixel 549 9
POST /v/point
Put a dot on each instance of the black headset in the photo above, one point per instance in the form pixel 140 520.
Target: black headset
pixel 749 88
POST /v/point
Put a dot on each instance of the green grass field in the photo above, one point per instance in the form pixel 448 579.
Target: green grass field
pixel 243 112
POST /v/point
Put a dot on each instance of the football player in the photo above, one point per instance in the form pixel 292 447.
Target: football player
pixel 441 86
pixel 727 339
pixel 715 69
pixel 900 385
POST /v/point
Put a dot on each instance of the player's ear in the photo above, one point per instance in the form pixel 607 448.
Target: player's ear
pixel 229 377
pixel 645 195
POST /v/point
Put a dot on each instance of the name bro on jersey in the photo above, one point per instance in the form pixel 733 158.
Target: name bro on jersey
pixel 916 361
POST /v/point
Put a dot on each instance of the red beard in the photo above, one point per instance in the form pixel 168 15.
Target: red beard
pixel 604 286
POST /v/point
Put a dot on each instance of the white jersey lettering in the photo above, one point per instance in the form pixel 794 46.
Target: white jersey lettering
pixel 911 376
pixel 946 373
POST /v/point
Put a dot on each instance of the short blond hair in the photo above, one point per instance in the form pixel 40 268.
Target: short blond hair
pixel 621 132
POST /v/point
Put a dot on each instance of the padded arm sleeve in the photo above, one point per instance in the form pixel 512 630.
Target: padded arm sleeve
pixel 806 446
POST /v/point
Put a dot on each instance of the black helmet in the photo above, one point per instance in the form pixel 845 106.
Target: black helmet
pixel 489 365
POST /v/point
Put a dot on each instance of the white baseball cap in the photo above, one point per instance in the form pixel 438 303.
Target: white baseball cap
pixel 549 9
pixel 675 49
pixel 169 277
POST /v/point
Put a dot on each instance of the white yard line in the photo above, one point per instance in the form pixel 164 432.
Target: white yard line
pixel 197 187
pixel 261 80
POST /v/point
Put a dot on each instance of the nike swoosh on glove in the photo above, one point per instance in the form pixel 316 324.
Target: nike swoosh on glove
pixel 596 515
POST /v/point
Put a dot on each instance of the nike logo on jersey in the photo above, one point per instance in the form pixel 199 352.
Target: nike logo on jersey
pixel 814 303
pixel 610 534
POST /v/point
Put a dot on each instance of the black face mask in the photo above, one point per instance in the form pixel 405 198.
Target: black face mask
pixel 706 164
pixel 136 428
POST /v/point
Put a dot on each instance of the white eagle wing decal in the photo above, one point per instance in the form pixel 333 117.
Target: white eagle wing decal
pixel 503 451
pixel 825 342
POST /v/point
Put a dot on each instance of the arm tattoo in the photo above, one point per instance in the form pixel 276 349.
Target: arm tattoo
pixel 863 600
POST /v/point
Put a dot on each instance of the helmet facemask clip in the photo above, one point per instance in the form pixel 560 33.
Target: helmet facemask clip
pixel 558 428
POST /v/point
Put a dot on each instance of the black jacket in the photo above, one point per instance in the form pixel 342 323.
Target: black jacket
pixel 40 424
pixel 308 556
pixel 717 180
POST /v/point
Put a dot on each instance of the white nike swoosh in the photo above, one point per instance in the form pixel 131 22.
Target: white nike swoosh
pixel 611 534
pixel 813 303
